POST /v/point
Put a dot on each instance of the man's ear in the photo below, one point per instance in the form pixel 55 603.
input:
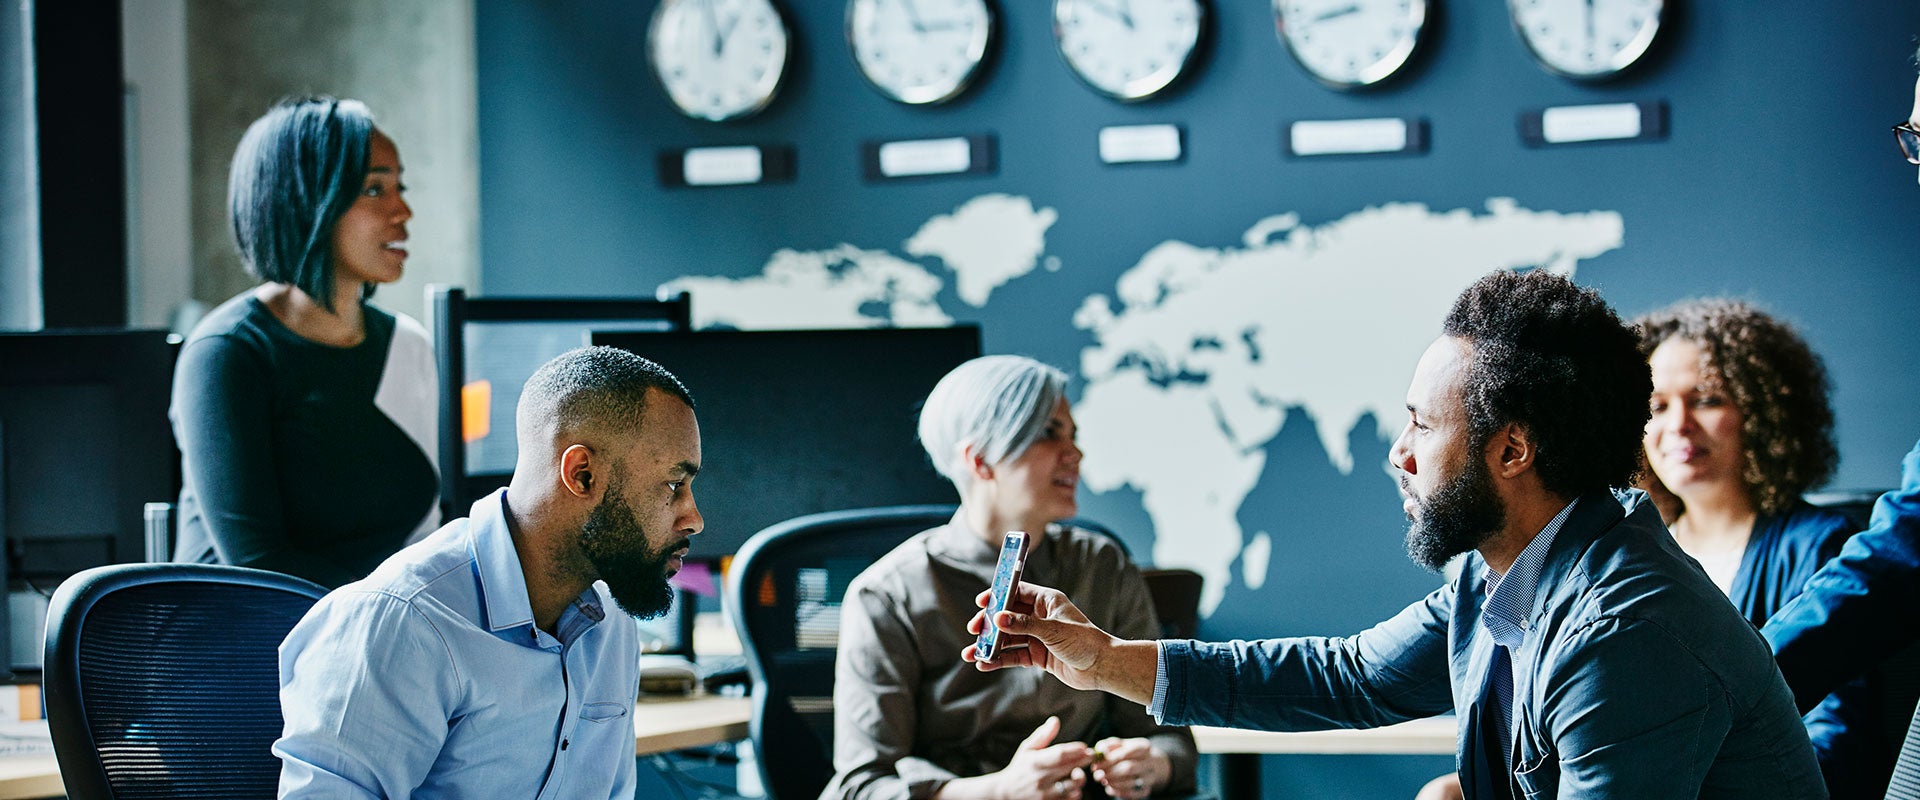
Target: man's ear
pixel 577 468
pixel 1511 451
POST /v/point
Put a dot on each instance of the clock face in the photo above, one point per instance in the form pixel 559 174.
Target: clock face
pixel 1348 44
pixel 718 59
pixel 919 51
pixel 1586 39
pixel 1128 49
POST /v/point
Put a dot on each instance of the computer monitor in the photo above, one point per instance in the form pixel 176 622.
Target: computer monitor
pixel 487 347
pixel 84 445
pixel 799 422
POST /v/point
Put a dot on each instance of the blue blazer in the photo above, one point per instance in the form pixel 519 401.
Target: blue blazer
pixel 1636 678
pixel 1861 607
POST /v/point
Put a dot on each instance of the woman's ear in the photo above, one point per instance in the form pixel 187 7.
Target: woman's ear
pixel 976 463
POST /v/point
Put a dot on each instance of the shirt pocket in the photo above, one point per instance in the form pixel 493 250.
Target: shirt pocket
pixel 1539 779
pixel 603 712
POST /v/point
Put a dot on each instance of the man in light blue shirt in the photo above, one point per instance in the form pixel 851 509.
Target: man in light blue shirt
pixel 485 661
pixel 1585 655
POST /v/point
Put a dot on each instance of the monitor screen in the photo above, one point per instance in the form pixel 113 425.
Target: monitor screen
pixel 85 445
pixel 799 422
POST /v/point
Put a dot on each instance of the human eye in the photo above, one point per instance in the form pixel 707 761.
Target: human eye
pixel 373 190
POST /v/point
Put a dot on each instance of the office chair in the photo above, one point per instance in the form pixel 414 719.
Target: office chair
pixel 784 598
pixel 162 680
pixel 783 595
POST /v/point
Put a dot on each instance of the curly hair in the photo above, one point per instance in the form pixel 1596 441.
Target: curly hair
pixel 1775 380
pixel 1554 359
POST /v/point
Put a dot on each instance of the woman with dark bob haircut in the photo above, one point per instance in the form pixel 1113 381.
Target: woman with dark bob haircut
pixel 1740 428
pixel 305 415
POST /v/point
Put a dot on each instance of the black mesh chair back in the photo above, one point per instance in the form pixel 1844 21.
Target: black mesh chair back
pixel 162 680
pixel 783 595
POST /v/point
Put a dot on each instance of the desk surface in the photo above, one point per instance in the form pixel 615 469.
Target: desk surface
pixel 1420 737
pixel 661 724
pixel 23 777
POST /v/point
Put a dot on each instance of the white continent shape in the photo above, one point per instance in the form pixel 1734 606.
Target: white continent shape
pixel 818 289
pixel 1192 377
pixel 990 240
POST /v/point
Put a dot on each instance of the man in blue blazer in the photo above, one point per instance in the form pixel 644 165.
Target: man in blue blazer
pixel 1584 654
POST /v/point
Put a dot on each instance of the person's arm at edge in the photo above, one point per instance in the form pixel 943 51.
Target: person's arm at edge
pixel 1856 610
pixel 1395 671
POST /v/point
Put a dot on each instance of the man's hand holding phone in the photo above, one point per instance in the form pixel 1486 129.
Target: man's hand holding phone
pixel 1061 640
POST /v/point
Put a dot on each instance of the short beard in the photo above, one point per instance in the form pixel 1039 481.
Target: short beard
pixel 1457 517
pixel 616 546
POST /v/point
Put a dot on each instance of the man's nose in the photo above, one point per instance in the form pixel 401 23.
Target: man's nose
pixel 1401 456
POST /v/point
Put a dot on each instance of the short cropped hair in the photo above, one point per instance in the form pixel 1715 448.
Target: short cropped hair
pixel 1775 380
pixel 593 390
pixel 297 170
pixel 1552 358
pixel 997 404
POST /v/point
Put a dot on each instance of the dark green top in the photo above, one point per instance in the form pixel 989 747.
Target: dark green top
pixel 300 457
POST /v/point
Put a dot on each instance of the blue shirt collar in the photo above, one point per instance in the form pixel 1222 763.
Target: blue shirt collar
pixel 503 586
pixel 1511 594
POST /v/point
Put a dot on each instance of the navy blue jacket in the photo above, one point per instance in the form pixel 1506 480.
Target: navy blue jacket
pixel 1636 678
pixel 1861 607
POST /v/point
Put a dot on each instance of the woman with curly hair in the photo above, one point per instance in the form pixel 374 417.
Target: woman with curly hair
pixel 1740 428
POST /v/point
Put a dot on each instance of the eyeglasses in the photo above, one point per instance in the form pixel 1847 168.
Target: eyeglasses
pixel 1909 139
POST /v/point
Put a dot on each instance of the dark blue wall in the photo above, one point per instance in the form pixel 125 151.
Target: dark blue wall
pixel 1779 183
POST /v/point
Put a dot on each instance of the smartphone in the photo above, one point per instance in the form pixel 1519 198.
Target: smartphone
pixel 1006 575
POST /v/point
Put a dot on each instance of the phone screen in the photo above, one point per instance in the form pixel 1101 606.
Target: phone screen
pixel 1006 575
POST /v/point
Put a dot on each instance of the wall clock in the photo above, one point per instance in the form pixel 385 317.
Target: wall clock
pixel 1586 39
pixel 1349 44
pixel 919 51
pixel 1128 49
pixel 718 59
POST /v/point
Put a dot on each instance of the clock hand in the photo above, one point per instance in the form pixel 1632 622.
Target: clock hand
pixel 1126 13
pixel 1110 11
pixel 1344 11
pixel 713 26
pixel 726 31
pixel 1589 25
pixel 913 16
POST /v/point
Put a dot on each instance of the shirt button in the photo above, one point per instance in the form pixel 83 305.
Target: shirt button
pixel 563 744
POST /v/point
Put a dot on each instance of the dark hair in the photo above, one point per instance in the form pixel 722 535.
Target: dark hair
pixel 1775 380
pixel 596 389
pixel 1552 358
pixel 298 168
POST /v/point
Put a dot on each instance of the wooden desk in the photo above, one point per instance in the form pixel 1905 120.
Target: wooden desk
pixel 1240 750
pixel 25 777
pixel 662 724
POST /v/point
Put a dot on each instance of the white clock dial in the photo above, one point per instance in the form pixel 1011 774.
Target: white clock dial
pixel 919 51
pixel 1351 43
pixel 718 59
pixel 1128 49
pixel 1587 38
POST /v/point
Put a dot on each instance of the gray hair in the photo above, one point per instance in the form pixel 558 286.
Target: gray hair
pixel 997 404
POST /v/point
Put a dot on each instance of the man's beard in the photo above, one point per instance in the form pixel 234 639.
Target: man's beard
pixel 1456 518
pixel 616 546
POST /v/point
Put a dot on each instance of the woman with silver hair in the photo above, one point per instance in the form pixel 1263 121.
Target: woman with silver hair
pixel 910 720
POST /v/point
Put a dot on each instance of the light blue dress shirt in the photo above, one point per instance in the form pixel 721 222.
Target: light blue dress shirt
pixel 429 679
